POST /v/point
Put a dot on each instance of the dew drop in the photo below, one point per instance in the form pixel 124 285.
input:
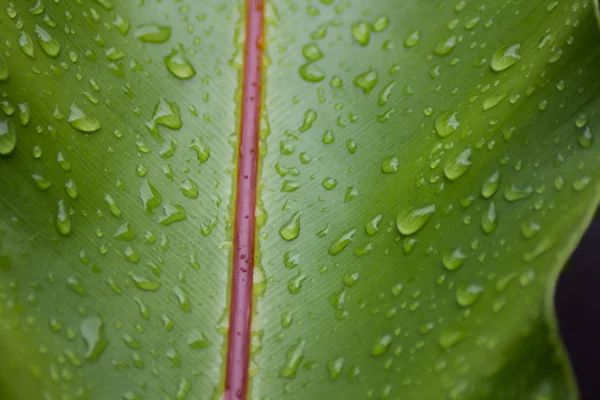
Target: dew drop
pixel 179 65
pixel 82 122
pixel 414 219
pixel 153 33
pixel 505 57
pixel 8 137
pixel 291 229
pixel 446 123
pixel 457 167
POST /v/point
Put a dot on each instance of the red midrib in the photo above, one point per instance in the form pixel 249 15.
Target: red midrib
pixel 240 312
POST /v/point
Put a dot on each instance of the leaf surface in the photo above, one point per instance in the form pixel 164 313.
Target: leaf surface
pixel 427 168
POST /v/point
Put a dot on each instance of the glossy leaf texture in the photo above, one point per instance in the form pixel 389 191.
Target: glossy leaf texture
pixel 115 202
pixel 427 168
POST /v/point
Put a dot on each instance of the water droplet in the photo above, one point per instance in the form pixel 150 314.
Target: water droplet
pixel 8 137
pixel 361 31
pixel 295 284
pixel 542 247
pixel 455 168
pixel 446 123
pixel 489 219
pixel 143 283
pixel 92 332
pixel 453 259
pixel 585 137
pixel 389 165
pixel 63 219
pixel 412 39
pixel 124 232
pixel 291 229
pixel 82 122
pixel 312 52
pixel 372 225
pixel 381 346
pixel 150 196
pixel 76 286
pixel 341 242
pixel 310 116
pixel 491 185
pixel 48 44
pixel 505 57
pixel 468 294
pixel 196 340
pixel 71 189
pixel 189 189
pixel 112 205
pixel 452 337
pixel 445 47
pixel 26 45
pixel 366 81
pixel 530 228
pixel 153 33
pixel 310 72
pixel 329 183
pixel 295 355
pixel 172 213
pixel 335 368
pixel 514 193
pixel 414 219
pixel 381 23
pixel 179 65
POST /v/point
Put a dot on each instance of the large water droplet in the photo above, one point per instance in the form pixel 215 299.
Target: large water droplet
pixel 491 185
pixel 153 33
pixel 366 81
pixel 92 332
pixel 489 219
pixel 453 259
pixel 341 242
pixel 82 122
pixel 291 229
pixel 455 168
pixel 468 294
pixel 381 345
pixel 63 219
pixel 8 137
pixel 505 57
pixel 361 31
pixel 446 123
pixel 179 65
pixel 414 219
pixel 49 45
pixel 310 72
pixel 295 355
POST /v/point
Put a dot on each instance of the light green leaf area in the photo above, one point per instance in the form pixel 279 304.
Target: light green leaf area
pixel 118 133
pixel 429 167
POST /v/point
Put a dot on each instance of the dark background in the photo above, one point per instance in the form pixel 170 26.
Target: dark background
pixel 578 307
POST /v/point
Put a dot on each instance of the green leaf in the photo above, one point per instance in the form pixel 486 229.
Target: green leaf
pixel 427 169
